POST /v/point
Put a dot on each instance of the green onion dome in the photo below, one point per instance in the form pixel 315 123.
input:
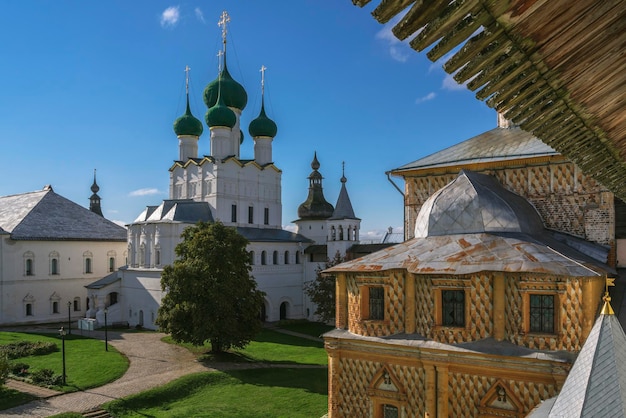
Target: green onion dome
pixel 220 114
pixel 233 93
pixel 187 124
pixel 262 125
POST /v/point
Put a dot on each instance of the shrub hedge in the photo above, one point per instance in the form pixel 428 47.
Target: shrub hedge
pixel 27 348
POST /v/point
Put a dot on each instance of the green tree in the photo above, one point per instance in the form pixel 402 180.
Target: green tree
pixel 210 294
pixel 321 291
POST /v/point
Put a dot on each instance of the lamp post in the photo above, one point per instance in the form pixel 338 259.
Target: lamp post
pixel 69 318
pixel 62 334
pixel 106 335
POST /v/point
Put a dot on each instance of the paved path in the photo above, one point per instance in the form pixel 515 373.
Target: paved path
pixel 152 363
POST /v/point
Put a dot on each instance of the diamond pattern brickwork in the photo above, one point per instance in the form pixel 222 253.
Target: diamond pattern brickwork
pixel 566 199
pixel 424 305
pixel 355 376
pixel 513 313
pixel 466 391
pixel 480 308
pixel 394 303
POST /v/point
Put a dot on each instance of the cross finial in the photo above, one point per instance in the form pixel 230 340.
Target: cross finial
pixel 224 19
pixel 187 69
pixel 343 168
pixel 262 70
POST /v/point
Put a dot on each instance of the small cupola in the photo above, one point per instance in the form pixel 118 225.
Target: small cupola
pixel 262 125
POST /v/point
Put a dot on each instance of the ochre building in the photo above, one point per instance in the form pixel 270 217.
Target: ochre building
pixel 482 312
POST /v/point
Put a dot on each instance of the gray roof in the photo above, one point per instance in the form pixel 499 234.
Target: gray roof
pixel 105 281
pixel 499 144
pixel 45 215
pixel 463 254
pixel 474 203
pixel 473 224
pixel 271 235
pixel 343 208
pixel 177 210
pixel 596 384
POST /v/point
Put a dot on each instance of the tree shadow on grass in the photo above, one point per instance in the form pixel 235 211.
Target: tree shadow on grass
pixel 310 379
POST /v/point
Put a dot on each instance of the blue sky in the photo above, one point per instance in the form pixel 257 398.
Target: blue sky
pixel 90 84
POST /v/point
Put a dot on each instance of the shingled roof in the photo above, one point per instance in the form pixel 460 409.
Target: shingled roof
pixel 556 68
pixel 45 216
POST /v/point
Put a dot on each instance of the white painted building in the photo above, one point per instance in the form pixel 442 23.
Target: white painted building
pixel 239 192
pixel 50 249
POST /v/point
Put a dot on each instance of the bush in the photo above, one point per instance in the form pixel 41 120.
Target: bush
pixel 19 369
pixel 4 369
pixel 46 377
pixel 27 348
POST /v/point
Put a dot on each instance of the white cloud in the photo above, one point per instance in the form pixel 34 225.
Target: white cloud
pixel 426 98
pixel 143 192
pixel 290 228
pixel 398 50
pixel 199 14
pixel 449 83
pixel 170 16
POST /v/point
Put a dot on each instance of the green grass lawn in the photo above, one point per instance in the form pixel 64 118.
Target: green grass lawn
pixel 314 329
pixel 269 347
pixel 87 363
pixel 251 393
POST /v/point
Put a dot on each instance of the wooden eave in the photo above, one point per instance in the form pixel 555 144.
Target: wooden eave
pixel 556 68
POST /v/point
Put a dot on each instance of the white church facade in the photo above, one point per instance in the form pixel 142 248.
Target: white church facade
pixel 239 192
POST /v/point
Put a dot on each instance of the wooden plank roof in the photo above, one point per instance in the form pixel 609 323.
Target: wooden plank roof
pixel 555 67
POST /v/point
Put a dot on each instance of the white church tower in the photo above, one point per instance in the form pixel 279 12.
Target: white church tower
pixel 342 227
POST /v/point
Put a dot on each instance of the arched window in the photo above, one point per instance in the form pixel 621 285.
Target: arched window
pixel 157 257
pixel 29 266
pixel 286 257
pixel 263 258
pixel 333 233
pixel 297 257
pixel 275 257
pixel 87 262
pixel 29 309
pixel 111 264
pixel 76 304
pixel 54 262
pixel 29 263
pixel 55 307
pixel 251 255
pixel 340 233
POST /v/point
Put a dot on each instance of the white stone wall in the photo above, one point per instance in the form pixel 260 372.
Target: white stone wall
pixel 42 288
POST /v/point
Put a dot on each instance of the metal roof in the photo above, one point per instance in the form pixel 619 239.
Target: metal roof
pixel 271 235
pixel 475 202
pixel 596 384
pixel 496 145
pixel 474 224
pixel 555 67
pixel 45 215
pixel 465 254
